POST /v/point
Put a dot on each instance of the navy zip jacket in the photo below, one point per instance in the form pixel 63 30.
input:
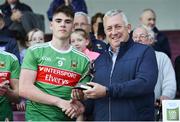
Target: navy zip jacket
pixel 131 85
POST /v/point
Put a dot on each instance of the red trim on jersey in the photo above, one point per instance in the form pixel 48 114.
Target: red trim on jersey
pixel 4 76
pixel 57 76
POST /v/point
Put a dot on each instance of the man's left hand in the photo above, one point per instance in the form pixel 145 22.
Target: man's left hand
pixel 97 91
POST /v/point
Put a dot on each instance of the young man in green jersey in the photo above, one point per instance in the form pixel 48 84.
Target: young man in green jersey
pixel 9 74
pixel 51 70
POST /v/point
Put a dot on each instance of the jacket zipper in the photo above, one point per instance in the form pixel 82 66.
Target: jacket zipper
pixel 113 61
pixel 112 68
pixel 109 106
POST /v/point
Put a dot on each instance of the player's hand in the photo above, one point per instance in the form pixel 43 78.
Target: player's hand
pixel 21 106
pixel 67 107
pixel 79 105
pixel 77 108
pixel 4 89
pixel 77 94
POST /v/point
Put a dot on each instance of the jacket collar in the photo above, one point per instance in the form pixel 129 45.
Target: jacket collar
pixel 4 39
pixel 155 30
pixel 124 47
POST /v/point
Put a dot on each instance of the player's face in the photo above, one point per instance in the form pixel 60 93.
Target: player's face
pixel 61 26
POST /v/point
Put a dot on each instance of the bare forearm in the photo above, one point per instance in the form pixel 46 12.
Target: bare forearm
pixel 80 118
pixel 35 94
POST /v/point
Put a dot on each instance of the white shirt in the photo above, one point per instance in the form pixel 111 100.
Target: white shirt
pixel 166 83
pixel 114 56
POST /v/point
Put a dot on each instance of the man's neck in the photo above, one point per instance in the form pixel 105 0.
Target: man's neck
pixel 114 49
pixel 62 45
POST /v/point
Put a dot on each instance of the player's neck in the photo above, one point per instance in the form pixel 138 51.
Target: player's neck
pixel 60 44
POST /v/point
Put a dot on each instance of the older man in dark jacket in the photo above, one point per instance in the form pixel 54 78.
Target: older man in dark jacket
pixel 124 78
pixel 148 20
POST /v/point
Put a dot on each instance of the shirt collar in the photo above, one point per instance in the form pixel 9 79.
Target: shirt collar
pixel 111 51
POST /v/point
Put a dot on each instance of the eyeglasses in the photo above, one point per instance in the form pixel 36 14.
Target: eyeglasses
pixel 141 36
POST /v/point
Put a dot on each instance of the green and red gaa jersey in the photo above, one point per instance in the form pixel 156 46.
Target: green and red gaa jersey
pixel 9 69
pixel 57 72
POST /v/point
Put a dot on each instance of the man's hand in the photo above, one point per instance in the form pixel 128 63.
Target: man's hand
pixel 77 94
pixel 77 106
pixel 69 107
pixel 3 89
pixel 21 106
pixel 97 91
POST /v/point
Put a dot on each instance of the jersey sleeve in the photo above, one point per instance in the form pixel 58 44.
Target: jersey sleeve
pixel 15 69
pixel 86 76
pixel 30 60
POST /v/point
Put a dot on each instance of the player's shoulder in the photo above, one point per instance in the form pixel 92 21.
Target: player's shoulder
pixel 39 46
pixel 79 54
pixel 8 55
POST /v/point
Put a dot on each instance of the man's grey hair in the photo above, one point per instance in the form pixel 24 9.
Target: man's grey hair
pixel 115 12
pixel 83 14
pixel 150 33
pixel 141 27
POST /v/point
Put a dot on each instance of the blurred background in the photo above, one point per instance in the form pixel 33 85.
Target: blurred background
pixel 168 11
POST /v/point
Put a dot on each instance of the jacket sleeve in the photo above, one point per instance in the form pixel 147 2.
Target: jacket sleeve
pixel 12 47
pixel 79 5
pixel 54 4
pixel 144 81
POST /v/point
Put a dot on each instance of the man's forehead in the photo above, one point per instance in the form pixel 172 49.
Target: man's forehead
pixel 148 14
pixel 80 19
pixel 140 31
pixel 114 20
